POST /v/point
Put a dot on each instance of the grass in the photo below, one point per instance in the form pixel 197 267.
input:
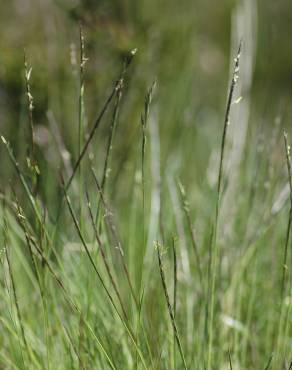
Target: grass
pixel 214 250
pixel 136 270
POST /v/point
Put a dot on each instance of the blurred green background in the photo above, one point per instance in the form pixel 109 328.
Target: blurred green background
pixel 187 46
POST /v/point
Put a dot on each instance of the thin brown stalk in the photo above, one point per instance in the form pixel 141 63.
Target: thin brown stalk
pixel 106 168
pixel 268 366
pixel 27 189
pixel 104 257
pixel 285 267
pixel 74 218
pixel 31 156
pixel 174 294
pixel 169 307
pixel 186 210
pixel 144 120
pixel 214 250
pixel 117 86
pixel 77 227
pixel 5 228
pixel 21 219
pixel 82 63
pixel 63 152
pixel 30 105
pixel 81 116
pixel 32 242
pixel 174 276
pixel 284 314
pixel 80 361
pixel 112 229
pixel 230 360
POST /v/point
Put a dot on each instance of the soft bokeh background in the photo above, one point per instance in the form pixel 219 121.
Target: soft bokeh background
pixel 187 46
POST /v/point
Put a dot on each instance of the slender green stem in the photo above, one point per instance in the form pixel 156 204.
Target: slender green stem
pixel 214 250
pixel 174 296
pixel 170 308
pixel 81 114
pixel 106 168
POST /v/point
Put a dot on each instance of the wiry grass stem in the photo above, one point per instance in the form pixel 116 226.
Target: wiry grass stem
pixel 81 111
pixel 230 360
pixel 284 313
pixel 144 120
pixel 19 316
pixel 285 267
pixel 31 155
pixel 169 307
pixel 101 280
pixel 113 125
pixel 115 90
pixel 104 258
pixel 214 250
pixel 30 103
pixel 174 296
pixel 268 366
pixel 112 229
pixel 186 210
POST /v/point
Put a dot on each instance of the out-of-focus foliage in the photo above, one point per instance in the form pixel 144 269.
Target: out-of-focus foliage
pixel 185 45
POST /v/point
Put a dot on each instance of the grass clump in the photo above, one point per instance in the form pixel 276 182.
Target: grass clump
pixel 86 281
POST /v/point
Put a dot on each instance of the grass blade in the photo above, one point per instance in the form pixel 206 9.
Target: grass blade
pixel 112 229
pixel 185 207
pixel 268 366
pixel 117 87
pixel 285 267
pixel 214 252
pixel 104 258
pixel 169 307
pixel 113 125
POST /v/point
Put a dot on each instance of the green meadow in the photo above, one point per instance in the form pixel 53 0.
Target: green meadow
pixel 145 185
